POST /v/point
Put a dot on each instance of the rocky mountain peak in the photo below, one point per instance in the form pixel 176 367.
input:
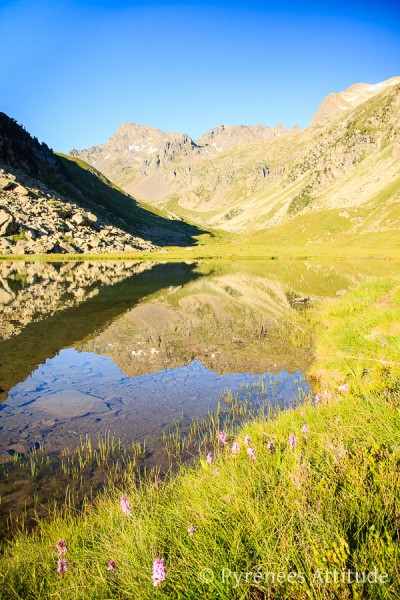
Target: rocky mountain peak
pixel 337 104
pixel 224 137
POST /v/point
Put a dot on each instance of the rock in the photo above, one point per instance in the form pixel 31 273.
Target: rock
pixel 68 404
pixel 91 217
pixel 6 296
pixel 6 184
pixel 5 246
pixel 21 190
pixel 6 223
pixel 77 218
pixel 344 214
pixel 94 242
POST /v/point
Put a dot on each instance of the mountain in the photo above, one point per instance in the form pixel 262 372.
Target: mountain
pixel 148 162
pixel 339 177
pixel 55 203
pixel 333 105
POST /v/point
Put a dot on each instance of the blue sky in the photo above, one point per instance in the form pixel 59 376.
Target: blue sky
pixel 72 71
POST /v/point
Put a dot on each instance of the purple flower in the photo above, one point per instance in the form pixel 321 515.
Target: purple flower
pixel 159 571
pixel 305 429
pixel 192 528
pixel 344 387
pixel 235 448
pixel 222 437
pixel 318 398
pixel 292 442
pixel 61 546
pixel 126 507
pixel 271 446
pixel 252 454
pixel 209 458
pixel 61 566
pixel 111 566
pixel 247 440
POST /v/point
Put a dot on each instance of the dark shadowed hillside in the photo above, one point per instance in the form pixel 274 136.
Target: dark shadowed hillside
pixel 54 203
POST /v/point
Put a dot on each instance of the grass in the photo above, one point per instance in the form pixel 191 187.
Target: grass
pixel 291 524
pixel 259 246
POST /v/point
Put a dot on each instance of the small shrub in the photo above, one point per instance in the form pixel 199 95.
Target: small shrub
pixel 20 236
pixel 300 201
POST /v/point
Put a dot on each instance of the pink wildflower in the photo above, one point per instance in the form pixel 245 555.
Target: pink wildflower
pixel 111 566
pixel 271 446
pixel 305 429
pixel 209 458
pixel 125 506
pixel 318 398
pixel 192 529
pixel 61 566
pixel 252 454
pixel 159 571
pixel 61 546
pixel 222 437
pixel 247 440
pixel 235 448
pixel 292 442
pixel 344 387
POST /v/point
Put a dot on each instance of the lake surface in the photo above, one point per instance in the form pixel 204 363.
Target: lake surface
pixel 132 348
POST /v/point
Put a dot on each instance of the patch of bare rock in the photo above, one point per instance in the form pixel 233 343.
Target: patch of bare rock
pixel 33 220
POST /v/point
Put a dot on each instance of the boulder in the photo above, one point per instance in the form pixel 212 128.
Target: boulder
pixel 6 184
pixel 7 223
pixel 21 190
pixel 77 218
pixel 91 217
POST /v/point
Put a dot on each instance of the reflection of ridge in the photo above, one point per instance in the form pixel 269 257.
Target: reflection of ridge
pixel 42 340
pixel 31 291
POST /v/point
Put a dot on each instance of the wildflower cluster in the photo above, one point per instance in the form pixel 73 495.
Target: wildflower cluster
pixel 159 571
pixel 125 506
pixel 61 563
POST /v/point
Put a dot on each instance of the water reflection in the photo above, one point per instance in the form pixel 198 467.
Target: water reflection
pixel 198 328
pixel 54 306
pixel 74 393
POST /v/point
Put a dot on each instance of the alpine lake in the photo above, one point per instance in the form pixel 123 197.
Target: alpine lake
pixel 121 368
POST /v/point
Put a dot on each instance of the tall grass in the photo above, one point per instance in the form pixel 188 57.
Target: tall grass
pixel 301 522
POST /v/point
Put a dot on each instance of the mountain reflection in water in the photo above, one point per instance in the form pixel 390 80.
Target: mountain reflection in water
pixel 129 346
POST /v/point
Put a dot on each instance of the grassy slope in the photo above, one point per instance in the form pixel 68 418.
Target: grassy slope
pixel 328 504
pixel 349 164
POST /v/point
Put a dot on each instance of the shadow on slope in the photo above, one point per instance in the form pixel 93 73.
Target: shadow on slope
pixel 98 193
pixel 85 186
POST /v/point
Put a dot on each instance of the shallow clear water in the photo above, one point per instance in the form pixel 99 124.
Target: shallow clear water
pixel 77 393
pixel 131 347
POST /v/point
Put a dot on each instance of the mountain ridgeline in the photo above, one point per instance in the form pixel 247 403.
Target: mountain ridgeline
pixel 338 177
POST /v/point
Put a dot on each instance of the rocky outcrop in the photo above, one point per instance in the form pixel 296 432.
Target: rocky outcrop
pixel 224 137
pixel 35 220
pixel 336 105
